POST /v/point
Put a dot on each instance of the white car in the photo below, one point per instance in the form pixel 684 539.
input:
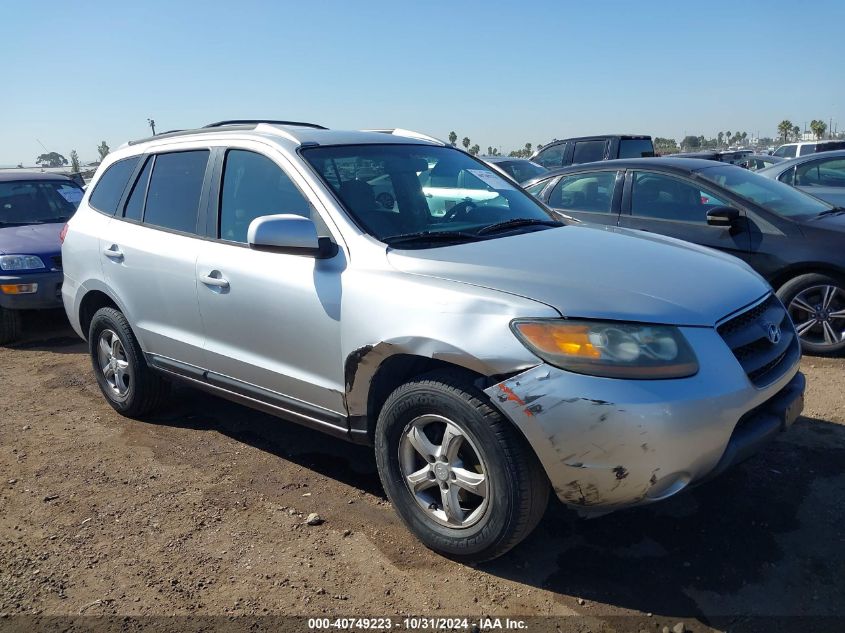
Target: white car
pixel 791 150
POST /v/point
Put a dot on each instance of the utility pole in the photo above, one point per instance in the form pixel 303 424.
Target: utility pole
pixel 152 126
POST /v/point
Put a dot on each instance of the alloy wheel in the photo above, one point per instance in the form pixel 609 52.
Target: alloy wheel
pixel 444 471
pixel 114 363
pixel 818 313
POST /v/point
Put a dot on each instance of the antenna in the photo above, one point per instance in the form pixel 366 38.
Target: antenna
pixel 42 145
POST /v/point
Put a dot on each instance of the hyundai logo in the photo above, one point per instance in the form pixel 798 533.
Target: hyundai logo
pixel 772 333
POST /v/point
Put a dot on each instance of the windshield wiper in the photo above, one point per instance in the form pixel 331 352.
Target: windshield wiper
pixel 833 211
pixel 517 222
pixel 430 236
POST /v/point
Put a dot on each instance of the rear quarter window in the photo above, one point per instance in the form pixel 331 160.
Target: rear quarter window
pixel 636 148
pixel 109 188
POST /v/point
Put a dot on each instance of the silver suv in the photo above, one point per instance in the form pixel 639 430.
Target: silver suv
pixel 391 290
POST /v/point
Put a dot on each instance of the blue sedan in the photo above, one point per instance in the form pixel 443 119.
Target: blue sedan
pixel 33 210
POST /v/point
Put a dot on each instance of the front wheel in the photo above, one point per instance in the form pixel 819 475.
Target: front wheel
pixel 460 475
pixel 816 305
pixel 10 325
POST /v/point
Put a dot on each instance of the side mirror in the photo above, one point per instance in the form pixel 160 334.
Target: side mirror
pixel 286 233
pixel 723 216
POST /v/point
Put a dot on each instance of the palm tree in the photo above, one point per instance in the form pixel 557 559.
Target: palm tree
pixel 818 128
pixel 796 132
pixel 784 129
pixel 453 137
pixel 466 142
pixel 719 138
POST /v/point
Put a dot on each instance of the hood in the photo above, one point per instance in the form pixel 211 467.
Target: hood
pixel 600 273
pixel 827 223
pixel 33 239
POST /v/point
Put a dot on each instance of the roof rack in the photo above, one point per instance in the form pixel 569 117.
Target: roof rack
pixel 235 124
pixel 398 131
pixel 270 121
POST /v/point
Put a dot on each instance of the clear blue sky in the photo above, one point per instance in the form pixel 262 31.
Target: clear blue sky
pixel 502 73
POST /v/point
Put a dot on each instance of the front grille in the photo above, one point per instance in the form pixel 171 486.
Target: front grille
pixel 57 262
pixel 747 335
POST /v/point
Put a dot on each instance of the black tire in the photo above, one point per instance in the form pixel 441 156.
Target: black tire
pixel 812 342
pixel 10 325
pixel 146 390
pixel 519 489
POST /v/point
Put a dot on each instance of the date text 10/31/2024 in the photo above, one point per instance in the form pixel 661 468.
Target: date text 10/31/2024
pixel 418 623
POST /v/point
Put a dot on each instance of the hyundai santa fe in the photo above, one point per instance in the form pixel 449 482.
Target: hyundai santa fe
pixel 488 352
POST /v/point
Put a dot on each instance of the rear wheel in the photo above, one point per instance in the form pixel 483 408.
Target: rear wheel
pixel 459 474
pixel 816 304
pixel 10 325
pixel 126 381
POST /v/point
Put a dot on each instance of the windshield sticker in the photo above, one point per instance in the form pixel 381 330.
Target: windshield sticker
pixel 71 194
pixel 490 179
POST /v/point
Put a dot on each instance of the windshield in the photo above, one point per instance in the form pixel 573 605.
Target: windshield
pixel 399 191
pixel 770 194
pixel 38 201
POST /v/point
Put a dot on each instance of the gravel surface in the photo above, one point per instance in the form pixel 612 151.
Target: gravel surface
pixel 214 509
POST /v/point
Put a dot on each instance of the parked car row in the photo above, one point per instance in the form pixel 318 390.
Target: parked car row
pixel 492 347
pixel 793 240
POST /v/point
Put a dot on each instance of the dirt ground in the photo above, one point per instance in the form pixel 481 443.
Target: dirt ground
pixel 201 511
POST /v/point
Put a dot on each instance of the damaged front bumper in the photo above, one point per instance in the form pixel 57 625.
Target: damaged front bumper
pixel 608 443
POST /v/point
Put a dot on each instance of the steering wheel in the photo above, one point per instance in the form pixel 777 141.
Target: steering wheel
pixel 462 209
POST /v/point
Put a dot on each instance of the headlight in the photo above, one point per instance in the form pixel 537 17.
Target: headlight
pixel 20 262
pixel 606 348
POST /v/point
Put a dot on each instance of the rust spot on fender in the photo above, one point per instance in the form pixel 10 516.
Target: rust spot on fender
pixel 508 394
pixel 621 472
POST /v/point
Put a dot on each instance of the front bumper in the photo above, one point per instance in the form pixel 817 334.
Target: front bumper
pixel 48 295
pixel 608 443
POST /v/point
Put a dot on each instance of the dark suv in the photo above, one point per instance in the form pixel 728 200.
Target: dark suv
pixel 588 149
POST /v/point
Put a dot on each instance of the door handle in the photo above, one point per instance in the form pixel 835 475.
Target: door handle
pixel 217 282
pixel 113 252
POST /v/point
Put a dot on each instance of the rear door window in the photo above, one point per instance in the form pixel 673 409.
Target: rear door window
pixel 592 191
pixel 588 151
pixel 109 188
pixel 175 189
